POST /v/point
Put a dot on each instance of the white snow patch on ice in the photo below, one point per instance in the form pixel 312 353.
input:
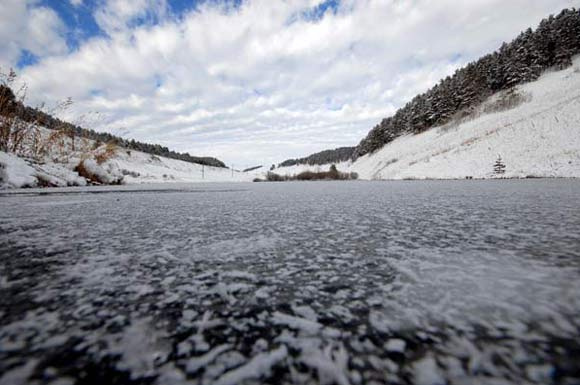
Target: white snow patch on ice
pixel 260 365
pixel 302 324
pixel 196 363
pixel 426 372
pixel 330 363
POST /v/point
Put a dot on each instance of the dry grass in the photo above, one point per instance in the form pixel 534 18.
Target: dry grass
pixel 108 153
pixel 26 138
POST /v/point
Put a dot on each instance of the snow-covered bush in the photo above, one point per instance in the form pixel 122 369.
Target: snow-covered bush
pixel 106 173
pixel 56 175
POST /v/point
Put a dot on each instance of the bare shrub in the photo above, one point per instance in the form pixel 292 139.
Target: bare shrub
pixel 273 177
pixel 25 138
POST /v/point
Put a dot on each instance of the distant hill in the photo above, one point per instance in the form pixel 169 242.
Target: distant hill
pixel 12 106
pixel 252 168
pixel 337 155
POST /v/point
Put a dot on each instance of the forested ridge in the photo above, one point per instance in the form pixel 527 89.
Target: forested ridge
pixel 551 45
pixel 14 107
pixel 337 155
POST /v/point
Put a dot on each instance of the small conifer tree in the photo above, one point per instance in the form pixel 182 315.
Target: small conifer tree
pixel 499 166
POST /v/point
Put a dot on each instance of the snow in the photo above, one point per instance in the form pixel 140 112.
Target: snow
pixel 395 345
pixel 18 375
pixel 106 173
pixel 197 363
pixel 331 364
pixel 140 348
pixel 58 176
pixel 139 167
pixel 259 366
pixel 302 324
pixel 539 138
pixel 15 172
pixel 426 372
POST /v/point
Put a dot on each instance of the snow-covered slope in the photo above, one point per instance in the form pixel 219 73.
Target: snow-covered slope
pixel 109 165
pixel 539 138
pixel 129 166
pixel 139 167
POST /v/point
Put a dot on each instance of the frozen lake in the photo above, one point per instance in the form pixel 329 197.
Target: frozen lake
pixel 458 282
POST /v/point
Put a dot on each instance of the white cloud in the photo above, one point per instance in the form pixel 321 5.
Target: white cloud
pixel 259 84
pixel 26 26
pixel 116 16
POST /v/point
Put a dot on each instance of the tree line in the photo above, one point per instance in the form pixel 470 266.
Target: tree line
pixel 337 155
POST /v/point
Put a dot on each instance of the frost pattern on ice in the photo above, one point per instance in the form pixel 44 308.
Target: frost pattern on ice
pixel 366 283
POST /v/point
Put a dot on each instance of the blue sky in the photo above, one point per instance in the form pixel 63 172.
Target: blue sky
pixel 254 81
pixel 81 25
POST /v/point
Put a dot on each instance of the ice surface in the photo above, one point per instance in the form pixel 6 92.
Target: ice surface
pixel 455 282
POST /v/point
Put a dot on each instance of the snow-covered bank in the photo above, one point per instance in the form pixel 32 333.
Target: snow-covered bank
pixel 539 138
pixel 81 167
pixel 17 172
pixel 126 167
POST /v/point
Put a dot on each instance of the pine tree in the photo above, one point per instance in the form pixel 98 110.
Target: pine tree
pixel 499 166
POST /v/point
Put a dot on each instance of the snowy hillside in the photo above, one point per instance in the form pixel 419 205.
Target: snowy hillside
pixel 139 167
pixel 111 165
pixel 539 138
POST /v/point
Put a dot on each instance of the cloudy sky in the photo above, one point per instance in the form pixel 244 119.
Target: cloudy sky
pixel 248 81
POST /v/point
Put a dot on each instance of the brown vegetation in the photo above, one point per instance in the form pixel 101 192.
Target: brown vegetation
pixel 24 137
pixel 107 153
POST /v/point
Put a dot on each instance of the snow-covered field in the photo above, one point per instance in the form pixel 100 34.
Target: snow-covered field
pixel 539 138
pixel 455 282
